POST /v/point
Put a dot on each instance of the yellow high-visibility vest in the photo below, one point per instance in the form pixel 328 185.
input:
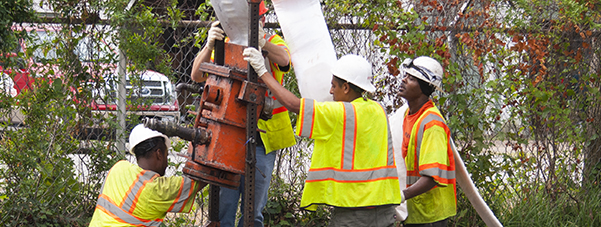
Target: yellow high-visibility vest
pixel 429 153
pixel 353 159
pixel 131 196
pixel 278 130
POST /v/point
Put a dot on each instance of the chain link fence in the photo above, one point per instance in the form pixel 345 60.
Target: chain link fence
pixel 62 121
pixel 63 89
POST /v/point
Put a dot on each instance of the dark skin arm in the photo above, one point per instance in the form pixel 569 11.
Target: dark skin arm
pixel 424 184
pixel 277 54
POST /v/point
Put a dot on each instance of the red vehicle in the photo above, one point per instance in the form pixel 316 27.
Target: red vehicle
pixel 155 92
pixel 15 79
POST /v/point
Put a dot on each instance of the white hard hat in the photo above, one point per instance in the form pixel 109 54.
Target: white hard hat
pixel 141 133
pixel 426 69
pixel 355 70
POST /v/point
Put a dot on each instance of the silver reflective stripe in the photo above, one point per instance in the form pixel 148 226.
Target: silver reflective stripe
pixel 349 136
pixel 129 198
pixel 420 134
pixel 356 175
pixel 276 104
pixel 307 118
pixel 124 215
pixel 412 179
pixel 183 197
pixel 390 147
pixel 438 172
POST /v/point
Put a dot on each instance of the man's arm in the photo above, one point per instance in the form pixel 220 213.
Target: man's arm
pixel 203 56
pixel 424 184
pixel 277 54
pixel 215 33
pixel 285 97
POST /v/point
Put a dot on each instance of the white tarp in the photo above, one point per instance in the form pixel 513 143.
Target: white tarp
pixel 310 46
pixel 233 17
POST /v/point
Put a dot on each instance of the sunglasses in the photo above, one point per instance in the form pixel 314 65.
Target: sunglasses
pixel 429 75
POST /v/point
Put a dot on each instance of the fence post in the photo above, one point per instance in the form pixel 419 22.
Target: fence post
pixel 121 103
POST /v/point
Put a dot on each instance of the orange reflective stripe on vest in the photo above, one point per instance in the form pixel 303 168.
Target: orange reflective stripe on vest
pixel 306 129
pixel 429 154
pixel 441 173
pixel 180 202
pixel 131 198
pixel 124 211
pixel 109 207
pixel 352 164
pixel 348 173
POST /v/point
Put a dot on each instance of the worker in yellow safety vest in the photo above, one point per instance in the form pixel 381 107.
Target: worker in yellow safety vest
pixel 352 165
pixel 140 195
pixel 276 132
pixel 431 187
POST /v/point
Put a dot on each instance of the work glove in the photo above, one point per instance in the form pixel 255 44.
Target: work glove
pixel 215 33
pixel 261 36
pixel 256 60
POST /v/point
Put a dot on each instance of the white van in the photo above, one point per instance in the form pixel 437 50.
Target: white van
pixel 152 93
pixel 154 96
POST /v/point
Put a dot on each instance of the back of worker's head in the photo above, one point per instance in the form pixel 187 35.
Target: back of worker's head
pixel 144 141
pixel 427 70
pixel 355 70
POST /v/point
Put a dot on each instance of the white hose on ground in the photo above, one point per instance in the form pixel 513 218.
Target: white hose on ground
pixel 471 192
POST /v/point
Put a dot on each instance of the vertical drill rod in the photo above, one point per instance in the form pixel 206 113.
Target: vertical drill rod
pixel 251 121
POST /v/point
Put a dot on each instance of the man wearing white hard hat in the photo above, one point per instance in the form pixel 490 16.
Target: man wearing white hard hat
pixel 140 195
pixel 431 185
pixel 352 165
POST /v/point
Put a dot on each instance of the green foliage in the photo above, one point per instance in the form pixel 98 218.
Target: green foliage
pixel 201 35
pixel 283 205
pixel 521 98
pixel 40 186
pixel 571 208
pixel 517 91
pixel 13 11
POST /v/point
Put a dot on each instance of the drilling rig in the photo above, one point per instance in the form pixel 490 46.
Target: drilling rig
pixel 223 139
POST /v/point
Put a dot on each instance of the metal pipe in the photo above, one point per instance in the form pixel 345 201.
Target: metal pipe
pixel 194 135
pixel 194 88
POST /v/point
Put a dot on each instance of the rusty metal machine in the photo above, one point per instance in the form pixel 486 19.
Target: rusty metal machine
pixel 223 140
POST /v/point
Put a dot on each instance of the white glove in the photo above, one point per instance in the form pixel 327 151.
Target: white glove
pixel 215 33
pixel 261 36
pixel 256 60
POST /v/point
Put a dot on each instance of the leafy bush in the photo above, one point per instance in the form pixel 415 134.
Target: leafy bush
pixel 40 185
